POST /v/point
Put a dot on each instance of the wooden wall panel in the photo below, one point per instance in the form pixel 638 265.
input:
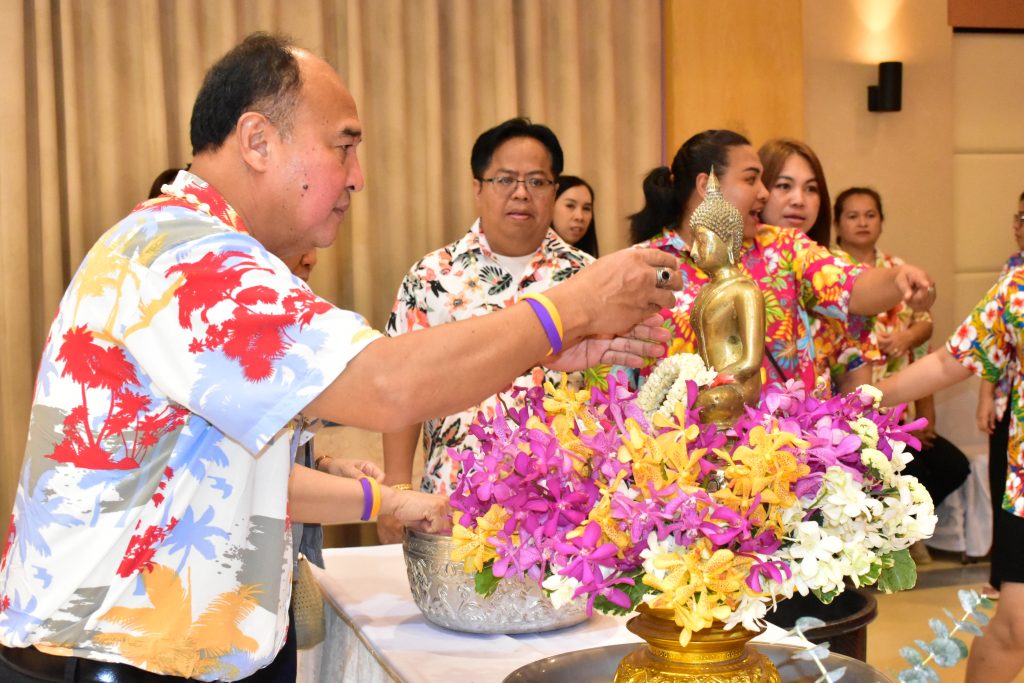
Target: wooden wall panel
pixel 733 64
pixel 990 14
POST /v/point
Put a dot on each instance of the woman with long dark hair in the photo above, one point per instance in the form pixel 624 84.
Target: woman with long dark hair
pixel 794 273
pixel 573 217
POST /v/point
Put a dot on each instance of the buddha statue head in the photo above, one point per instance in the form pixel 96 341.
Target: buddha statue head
pixel 721 218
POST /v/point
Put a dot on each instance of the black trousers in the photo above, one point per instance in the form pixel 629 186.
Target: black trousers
pixel 28 665
pixel 1007 528
pixel 941 469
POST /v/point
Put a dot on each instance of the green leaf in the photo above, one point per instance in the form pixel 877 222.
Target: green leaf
pixel 969 627
pixel 912 656
pixel 938 628
pixel 979 617
pixel 929 674
pixel 805 624
pixel 915 675
pixel 962 646
pixel 870 577
pixel 486 582
pixel 836 674
pixel 636 592
pixel 968 599
pixel 816 653
pixel 945 652
pixel 825 598
pixel 901 576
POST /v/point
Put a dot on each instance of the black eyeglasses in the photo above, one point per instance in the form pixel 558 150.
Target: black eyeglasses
pixel 506 184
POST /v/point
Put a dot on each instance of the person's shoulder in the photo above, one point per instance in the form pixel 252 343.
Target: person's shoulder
pixel 160 231
pixel 453 252
pixel 557 248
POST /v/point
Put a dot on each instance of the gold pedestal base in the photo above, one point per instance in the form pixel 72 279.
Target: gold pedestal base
pixel 713 655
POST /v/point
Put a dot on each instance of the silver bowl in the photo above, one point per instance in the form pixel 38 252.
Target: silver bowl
pixel 447 595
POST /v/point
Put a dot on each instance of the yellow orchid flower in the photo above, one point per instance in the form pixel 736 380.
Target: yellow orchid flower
pixel 569 406
pixel 610 531
pixel 472 547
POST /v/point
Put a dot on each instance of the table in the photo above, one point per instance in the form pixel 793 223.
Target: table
pixel 376 634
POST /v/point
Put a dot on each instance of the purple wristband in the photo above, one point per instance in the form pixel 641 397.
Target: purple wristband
pixel 550 329
pixel 367 499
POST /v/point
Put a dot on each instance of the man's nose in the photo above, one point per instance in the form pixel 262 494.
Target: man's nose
pixel 355 181
pixel 520 191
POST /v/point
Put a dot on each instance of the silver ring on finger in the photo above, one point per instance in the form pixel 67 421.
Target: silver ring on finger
pixel 664 275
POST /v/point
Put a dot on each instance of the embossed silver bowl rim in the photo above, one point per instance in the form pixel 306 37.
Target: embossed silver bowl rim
pixel 446 595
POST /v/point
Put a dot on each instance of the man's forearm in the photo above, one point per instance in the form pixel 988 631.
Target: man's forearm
pixel 400 381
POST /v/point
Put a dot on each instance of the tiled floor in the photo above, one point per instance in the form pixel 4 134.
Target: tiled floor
pixel 903 617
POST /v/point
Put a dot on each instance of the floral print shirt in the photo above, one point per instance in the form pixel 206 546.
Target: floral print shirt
pixel 150 525
pixel 989 341
pixel 464 280
pixel 798 278
pixel 896 319
pixel 1005 384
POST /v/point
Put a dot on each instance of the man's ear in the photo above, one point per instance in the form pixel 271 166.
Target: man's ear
pixel 255 134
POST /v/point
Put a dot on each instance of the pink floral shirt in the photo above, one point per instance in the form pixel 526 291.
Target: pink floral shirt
pixel 797 277
pixel 464 280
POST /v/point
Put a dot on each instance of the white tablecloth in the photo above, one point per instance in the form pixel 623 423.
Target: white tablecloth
pixel 376 634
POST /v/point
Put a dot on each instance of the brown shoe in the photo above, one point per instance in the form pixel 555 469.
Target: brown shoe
pixel 919 552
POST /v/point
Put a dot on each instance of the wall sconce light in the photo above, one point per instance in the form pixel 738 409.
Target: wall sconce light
pixel 888 94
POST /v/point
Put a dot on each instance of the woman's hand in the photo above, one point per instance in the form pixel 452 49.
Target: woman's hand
pixel 917 288
pixel 986 413
pixel 353 469
pixel 893 344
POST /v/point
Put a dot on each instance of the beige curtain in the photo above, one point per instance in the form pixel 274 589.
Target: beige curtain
pixel 98 95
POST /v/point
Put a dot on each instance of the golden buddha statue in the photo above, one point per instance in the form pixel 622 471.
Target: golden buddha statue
pixel 728 314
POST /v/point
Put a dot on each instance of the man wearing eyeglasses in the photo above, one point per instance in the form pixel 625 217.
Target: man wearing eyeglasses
pixel 509 251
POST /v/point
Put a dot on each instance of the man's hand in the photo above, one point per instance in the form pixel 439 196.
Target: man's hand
pixel 425 512
pixel 389 529
pixel 644 341
pixel 616 292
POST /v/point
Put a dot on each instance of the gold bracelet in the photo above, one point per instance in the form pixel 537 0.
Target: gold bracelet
pixel 319 459
pixel 402 487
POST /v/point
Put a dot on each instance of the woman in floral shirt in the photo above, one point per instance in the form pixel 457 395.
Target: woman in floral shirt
pixel 903 336
pixel 988 341
pixel 992 416
pixel 798 198
pixel 794 273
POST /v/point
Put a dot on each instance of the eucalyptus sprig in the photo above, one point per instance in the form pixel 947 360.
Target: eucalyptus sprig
pixel 945 650
pixel 815 652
